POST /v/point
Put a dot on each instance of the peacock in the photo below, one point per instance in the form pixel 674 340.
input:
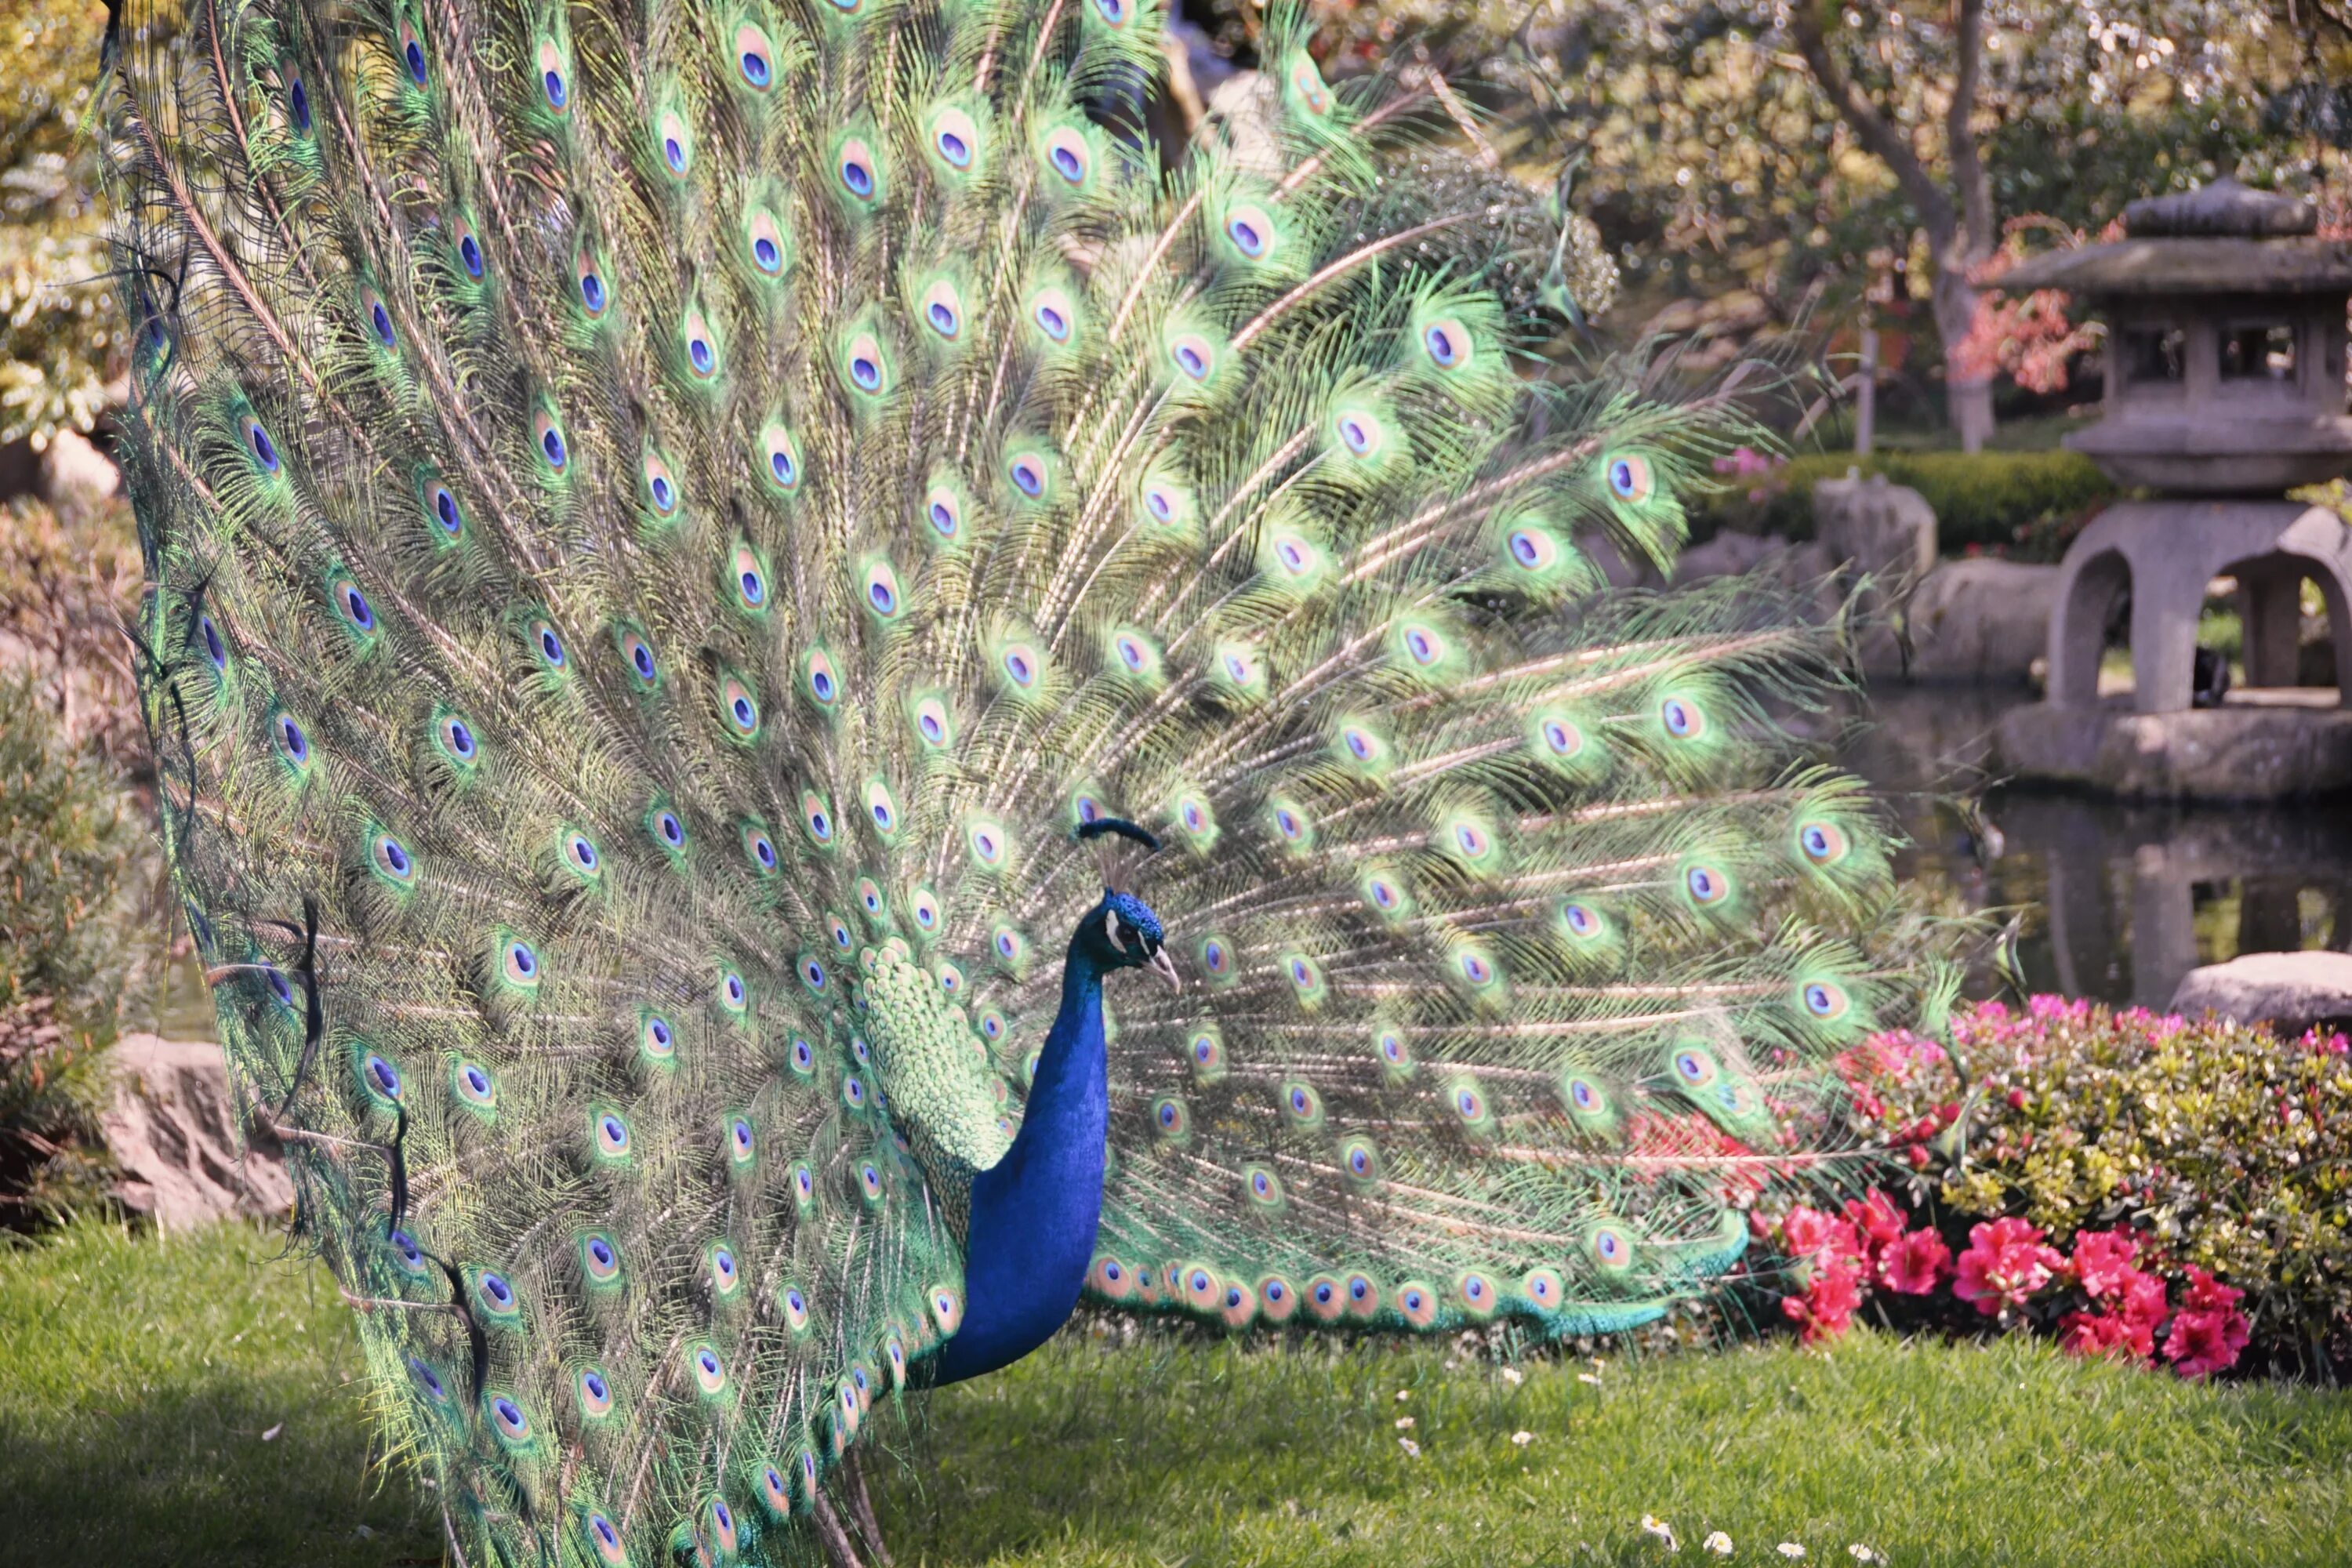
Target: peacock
pixel 720 571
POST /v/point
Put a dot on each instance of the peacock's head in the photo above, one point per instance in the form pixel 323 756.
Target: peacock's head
pixel 1122 932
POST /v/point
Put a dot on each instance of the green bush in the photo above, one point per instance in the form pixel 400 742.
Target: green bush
pixel 71 852
pixel 2216 1144
pixel 2021 504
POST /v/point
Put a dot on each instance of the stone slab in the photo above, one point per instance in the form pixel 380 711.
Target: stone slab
pixel 2293 990
pixel 2213 753
pixel 1981 619
pixel 183 1151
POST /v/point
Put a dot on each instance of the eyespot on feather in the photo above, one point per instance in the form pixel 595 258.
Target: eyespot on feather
pixel 1631 479
pixel 661 492
pixel 952 138
pixel 1054 314
pixel 674 144
pixel 865 365
pixel 765 244
pixel 1068 157
pixel 1823 843
pixel 779 460
pixel 755 57
pixel 856 172
pixel 940 311
pixel 555 77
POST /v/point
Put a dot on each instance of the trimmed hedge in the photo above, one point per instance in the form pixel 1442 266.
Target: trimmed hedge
pixel 2026 505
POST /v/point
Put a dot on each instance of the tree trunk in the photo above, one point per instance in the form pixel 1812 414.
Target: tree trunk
pixel 1959 231
pixel 1966 399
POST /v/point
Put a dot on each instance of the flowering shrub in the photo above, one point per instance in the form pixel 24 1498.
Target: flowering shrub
pixel 2099 1301
pixel 2108 1172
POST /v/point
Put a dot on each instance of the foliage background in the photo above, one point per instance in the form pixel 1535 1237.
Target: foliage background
pixel 59 351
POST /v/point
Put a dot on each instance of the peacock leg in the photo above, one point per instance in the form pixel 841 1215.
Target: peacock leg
pixel 838 1549
pixel 861 1504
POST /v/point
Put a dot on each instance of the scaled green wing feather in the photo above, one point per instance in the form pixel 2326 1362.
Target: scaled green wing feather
pixel 662 518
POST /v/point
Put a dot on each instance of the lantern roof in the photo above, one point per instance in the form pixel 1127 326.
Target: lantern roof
pixel 2220 238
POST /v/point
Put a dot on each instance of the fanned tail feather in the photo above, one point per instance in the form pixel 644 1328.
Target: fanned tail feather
pixel 661 522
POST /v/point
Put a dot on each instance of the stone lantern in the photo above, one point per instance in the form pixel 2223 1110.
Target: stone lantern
pixel 2225 387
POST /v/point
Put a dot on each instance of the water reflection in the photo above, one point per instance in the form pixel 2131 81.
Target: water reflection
pixel 2121 901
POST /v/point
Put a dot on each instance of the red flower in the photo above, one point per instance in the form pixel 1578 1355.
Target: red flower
pixel 2206 1294
pixel 2093 1333
pixel 1826 1309
pixel 2141 1310
pixel 2102 1263
pixel 2004 1264
pixel 1913 1263
pixel 1809 1233
pixel 1877 1220
pixel 1805 1231
pixel 2203 1342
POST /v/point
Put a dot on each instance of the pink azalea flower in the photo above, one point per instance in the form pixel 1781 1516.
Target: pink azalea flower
pixel 2092 1334
pixel 1913 1263
pixel 2206 1294
pixel 1808 1233
pixel 2204 1343
pixel 1876 1220
pixel 2005 1264
pixel 1826 1309
pixel 2102 1263
pixel 2141 1310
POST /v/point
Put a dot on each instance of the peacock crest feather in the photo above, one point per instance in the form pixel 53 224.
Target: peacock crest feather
pixel 674 529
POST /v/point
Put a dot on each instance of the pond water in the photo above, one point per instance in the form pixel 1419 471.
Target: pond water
pixel 2120 901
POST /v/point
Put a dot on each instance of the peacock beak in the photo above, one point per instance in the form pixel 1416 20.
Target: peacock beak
pixel 1165 967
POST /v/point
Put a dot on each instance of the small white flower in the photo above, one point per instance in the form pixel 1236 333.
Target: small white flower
pixel 1412 1449
pixel 1511 1375
pixel 1862 1553
pixel 1405 1422
pixel 1587 1377
pixel 1653 1525
pixel 1718 1544
pixel 1403 1394
pixel 1523 1438
pixel 1790 1550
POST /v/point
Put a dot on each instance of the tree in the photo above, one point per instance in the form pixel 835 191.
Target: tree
pixel 1957 211
pixel 60 337
pixel 1731 162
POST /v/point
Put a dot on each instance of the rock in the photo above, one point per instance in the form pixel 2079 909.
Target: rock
pixel 1884 538
pixel 1981 619
pixel 1247 108
pixel 2292 990
pixel 1881 530
pixel 175 1132
pixel 1767 557
pixel 2206 754
pixel 1616 568
pixel 72 469
pixel 1727 554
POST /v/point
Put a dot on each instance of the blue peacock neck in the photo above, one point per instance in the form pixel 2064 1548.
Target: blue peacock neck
pixel 1033 1213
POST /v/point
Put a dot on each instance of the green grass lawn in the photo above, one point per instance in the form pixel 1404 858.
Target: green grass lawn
pixel 141 1381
